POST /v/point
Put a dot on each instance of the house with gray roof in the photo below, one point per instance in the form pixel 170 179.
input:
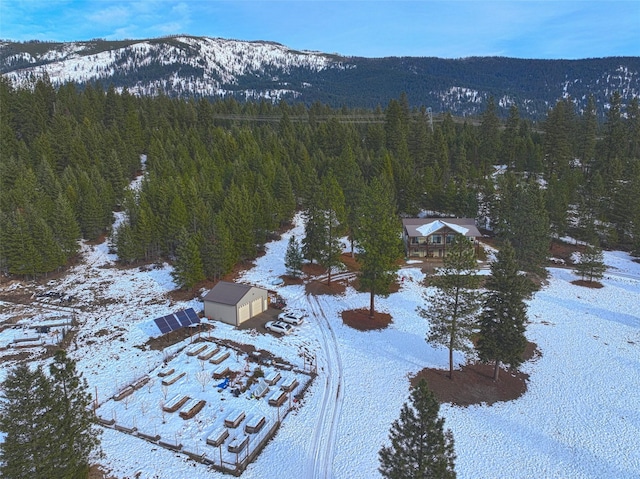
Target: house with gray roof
pixel 429 237
pixel 234 303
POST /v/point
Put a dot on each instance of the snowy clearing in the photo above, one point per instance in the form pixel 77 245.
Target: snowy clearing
pixel 579 418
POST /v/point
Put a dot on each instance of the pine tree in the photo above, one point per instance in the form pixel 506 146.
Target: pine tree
pixel 75 438
pixel 350 178
pixel 238 216
pixel 589 129
pixel 48 421
pixel 18 244
pixel 502 321
pixel 454 307
pixel 557 201
pixel 218 255
pixel 125 243
pixel 65 227
pixel 522 219
pixel 378 238
pixel 91 208
pixel 283 195
pixel 334 219
pixel 23 413
pixel 293 258
pixel 557 140
pixel 510 138
pixel 188 269
pixel 50 252
pixel 614 144
pixel 314 227
pixel 591 265
pixel 176 222
pixel 420 447
pixel 489 137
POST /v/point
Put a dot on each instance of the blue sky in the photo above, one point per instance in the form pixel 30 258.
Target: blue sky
pixel 447 29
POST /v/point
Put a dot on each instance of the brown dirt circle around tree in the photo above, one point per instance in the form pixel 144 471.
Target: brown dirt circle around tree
pixel 472 383
pixel 588 284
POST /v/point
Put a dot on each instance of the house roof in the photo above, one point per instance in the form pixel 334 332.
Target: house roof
pixel 428 226
pixel 227 293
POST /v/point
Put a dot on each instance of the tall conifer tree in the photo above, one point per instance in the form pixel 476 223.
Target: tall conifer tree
pixel 453 309
pixel 293 258
pixel 188 268
pixel 420 447
pixel 502 321
pixel 378 238
pixel 591 265
pixel 334 223
pixel 75 439
pixel 22 415
pixel 49 423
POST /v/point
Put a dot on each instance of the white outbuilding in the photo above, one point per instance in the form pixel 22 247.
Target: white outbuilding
pixel 234 303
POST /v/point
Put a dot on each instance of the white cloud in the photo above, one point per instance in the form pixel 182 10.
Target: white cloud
pixel 111 16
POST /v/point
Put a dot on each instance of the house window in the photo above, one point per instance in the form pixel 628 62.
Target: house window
pixel 450 238
pixel 414 240
pixel 436 239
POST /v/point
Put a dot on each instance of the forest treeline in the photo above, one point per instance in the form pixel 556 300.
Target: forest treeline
pixel 215 189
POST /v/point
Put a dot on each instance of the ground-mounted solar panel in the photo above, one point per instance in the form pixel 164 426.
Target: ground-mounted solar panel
pixel 173 322
pixel 192 315
pixel 162 325
pixel 183 318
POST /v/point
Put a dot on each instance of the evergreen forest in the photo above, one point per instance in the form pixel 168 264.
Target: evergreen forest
pixel 217 179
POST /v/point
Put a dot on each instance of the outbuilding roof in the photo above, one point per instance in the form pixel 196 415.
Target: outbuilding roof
pixel 227 293
pixel 428 226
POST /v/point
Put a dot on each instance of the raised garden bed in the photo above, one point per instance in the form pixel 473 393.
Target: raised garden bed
pixel 220 357
pixel 273 378
pixel 216 438
pixel 124 393
pixel 289 384
pixel 221 372
pixel 191 408
pixel 234 419
pixel 176 403
pixel 238 444
pixel 197 349
pixel 255 424
pixel 278 398
pixel 172 379
pixel 208 354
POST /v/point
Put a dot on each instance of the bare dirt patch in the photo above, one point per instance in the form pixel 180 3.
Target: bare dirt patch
pixel 588 284
pixel 318 288
pixel 359 319
pixel 96 472
pixel 289 280
pixel 474 384
pixel 564 251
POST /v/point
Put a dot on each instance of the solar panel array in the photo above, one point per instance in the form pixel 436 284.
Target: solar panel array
pixel 181 319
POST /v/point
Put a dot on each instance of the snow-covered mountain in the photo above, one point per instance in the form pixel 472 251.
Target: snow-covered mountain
pixel 184 66
pixel 188 66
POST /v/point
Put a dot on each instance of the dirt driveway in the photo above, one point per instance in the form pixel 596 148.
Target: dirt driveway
pixel 257 322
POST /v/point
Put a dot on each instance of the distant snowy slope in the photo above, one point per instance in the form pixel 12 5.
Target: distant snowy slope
pixel 195 65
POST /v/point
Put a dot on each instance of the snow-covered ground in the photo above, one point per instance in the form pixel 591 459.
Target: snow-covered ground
pixel 580 417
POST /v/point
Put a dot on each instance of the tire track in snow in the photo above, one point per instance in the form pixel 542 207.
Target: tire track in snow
pixel 319 463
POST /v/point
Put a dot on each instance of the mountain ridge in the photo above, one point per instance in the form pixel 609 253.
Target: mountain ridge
pixel 193 66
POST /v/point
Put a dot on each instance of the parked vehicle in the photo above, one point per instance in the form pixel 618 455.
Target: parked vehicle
pixel 291 318
pixel 279 327
pixel 278 302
